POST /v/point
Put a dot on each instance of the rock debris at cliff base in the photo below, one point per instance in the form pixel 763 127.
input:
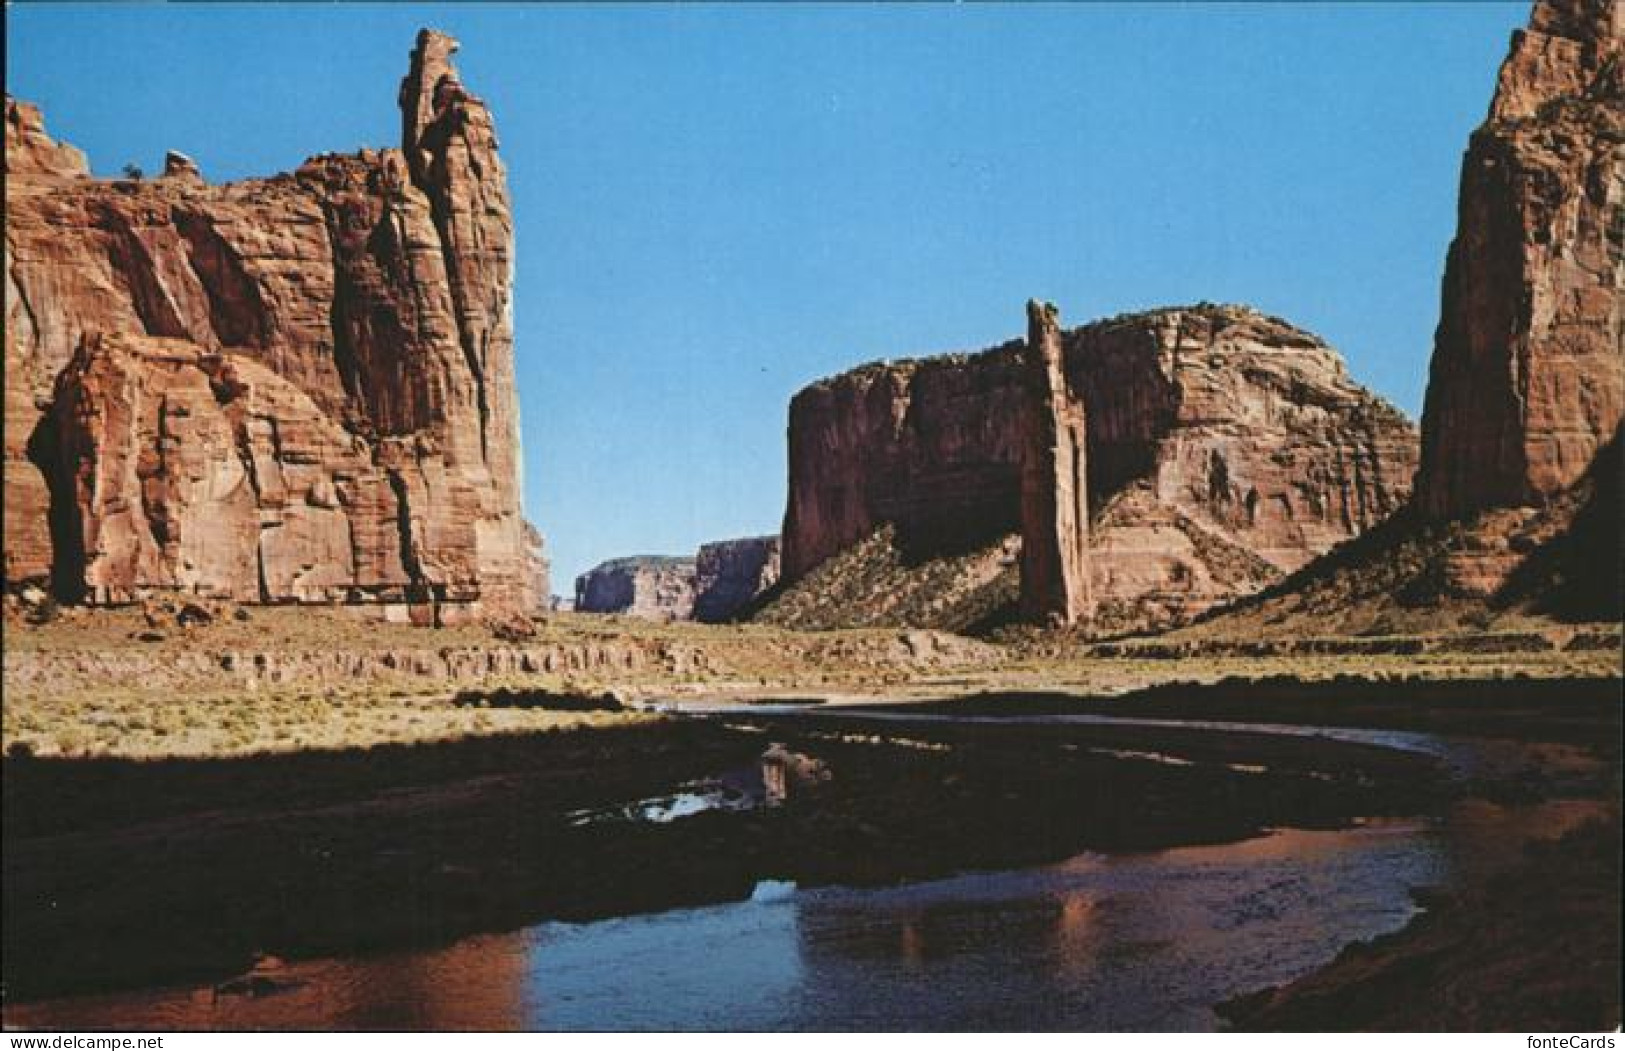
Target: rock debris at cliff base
pixel 1223 448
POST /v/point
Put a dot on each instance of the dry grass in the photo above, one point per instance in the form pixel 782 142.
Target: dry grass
pixel 97 682
pixel 86 684
pixel 215 722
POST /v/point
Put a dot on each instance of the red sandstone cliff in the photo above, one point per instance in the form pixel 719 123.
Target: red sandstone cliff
pixel 1516 506
pixel 297 388
pixel 1528 372
pixel 1225 448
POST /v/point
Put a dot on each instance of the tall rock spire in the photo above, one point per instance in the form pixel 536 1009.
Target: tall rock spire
pixel 421 95
pixel 450 144
pixel 1528 376
pixel 1054 482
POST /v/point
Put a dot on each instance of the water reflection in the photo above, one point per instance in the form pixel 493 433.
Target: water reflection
pixel 475 984
pixel 1145 941
pixel 1140 942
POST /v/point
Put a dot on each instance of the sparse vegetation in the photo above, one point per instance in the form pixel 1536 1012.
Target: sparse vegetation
pixel 301 679
pixel 873 583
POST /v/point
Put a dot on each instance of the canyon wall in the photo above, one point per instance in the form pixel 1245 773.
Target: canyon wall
pixel 653 587
pixel 298 388
pixel 1516 508
pixel 730 574
pixel 1224 448
pixel 1528 375
pixel 722 579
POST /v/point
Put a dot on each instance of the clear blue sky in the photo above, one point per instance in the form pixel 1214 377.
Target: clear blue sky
pixel 718 204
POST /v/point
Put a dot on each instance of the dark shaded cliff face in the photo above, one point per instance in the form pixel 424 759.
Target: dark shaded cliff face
pixel 730 574
pixel 650 586
pixel 931 446
pixel 288 389
pixel 1528 373
pixel 1224 449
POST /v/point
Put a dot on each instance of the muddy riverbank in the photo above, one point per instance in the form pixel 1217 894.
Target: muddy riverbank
pixel 1532 944
pixel 1583 710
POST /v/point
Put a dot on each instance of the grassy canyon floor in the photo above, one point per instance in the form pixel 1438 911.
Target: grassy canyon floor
pixel 118 682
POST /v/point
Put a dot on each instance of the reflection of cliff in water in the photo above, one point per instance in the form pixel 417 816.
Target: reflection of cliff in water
pixel 477 983
pixel 474 984
pixel 1145 941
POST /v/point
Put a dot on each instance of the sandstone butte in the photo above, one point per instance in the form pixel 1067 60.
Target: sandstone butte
pixel 654 587
pixel 719 583
pixel 1528 375
pixel 291 389
pixel 1222 449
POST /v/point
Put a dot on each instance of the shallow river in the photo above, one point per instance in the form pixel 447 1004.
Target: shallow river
pixel 1145 941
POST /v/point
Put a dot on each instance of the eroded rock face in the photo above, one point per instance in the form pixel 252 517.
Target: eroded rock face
pixel 192 470
pixel 1055 571
pixel 30 151
pixel 649 586
pixel 1528 373
pixel 361 302
pixel 730 574
pixel 1224 448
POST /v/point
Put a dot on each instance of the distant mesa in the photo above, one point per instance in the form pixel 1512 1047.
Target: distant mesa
pixel 722 580
pixel 293 389
pixel 654 587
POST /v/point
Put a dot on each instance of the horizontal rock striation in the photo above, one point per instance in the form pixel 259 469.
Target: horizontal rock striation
pixel 1528 373
pixel 650 586
pixel 291 389
pixel 1224 449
